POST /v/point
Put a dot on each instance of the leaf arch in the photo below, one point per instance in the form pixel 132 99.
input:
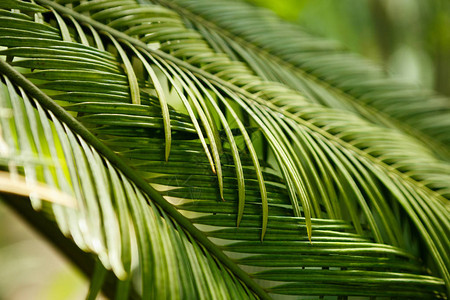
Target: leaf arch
pixel 282 131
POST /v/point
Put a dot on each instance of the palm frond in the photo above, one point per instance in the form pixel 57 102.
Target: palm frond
pixel 111 213
pixel 320 69
pixel 331 195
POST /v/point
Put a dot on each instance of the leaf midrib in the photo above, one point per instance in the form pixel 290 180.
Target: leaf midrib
pixel 241 91
pixel 423 137
pixel 104 150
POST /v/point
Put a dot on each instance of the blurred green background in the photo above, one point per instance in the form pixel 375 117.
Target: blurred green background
pixel 410 38
pixel 31 269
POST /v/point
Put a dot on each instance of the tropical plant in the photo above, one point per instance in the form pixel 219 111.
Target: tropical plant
pixel 207 150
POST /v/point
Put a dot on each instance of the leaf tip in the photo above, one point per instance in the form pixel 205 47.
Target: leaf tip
pixel 263 233
pixel 167 152
pixel 238 221
pixel 308 229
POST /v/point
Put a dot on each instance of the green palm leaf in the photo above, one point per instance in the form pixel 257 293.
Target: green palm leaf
pixel 107 207
pixel 330 194
pixel 320 69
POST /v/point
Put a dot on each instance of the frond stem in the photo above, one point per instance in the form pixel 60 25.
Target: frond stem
pixel 78 128
pixel 220 82
pixel 360 106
